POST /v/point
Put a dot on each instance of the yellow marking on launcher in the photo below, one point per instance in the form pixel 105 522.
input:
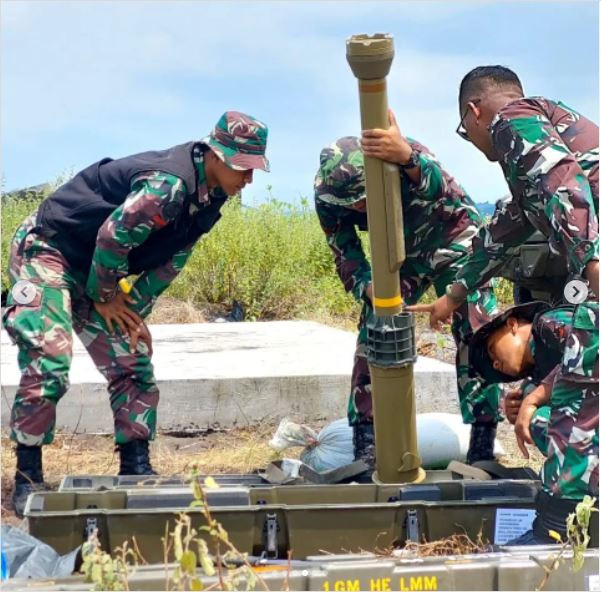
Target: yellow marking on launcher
pixel 388 302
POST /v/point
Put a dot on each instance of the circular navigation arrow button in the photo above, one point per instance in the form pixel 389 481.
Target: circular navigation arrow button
pixel 576 291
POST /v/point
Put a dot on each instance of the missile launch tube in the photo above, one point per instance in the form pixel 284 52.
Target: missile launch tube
pixel 390 333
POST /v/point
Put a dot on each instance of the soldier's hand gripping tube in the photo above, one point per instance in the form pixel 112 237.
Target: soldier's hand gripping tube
pixel 391 340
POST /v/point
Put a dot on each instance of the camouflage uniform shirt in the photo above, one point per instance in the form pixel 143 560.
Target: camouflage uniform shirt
pixel 439 218
pixel 549 154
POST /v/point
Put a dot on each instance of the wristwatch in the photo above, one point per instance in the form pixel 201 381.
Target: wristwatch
pixel 412 162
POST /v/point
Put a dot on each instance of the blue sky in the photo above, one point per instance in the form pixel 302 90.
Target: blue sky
pixel 82 80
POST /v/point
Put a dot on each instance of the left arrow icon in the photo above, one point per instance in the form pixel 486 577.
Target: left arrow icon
pixel 24 292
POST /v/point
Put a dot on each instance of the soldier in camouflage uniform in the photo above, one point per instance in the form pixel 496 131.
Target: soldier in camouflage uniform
pixel 549 155
pixel 440 219
pixel 557 349
pixel 140 215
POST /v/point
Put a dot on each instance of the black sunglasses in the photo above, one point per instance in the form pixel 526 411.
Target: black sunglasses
pixel 461 131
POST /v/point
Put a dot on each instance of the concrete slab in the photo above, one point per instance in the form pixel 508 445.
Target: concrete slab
pixel 225 374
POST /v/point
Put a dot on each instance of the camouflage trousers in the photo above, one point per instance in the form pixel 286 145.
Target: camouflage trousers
pixel 46 302
pixel 567 431
pixel 477 403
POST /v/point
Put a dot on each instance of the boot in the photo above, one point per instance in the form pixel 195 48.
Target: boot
pixel 482 441
pixel 551 514
pixel 364 444
pixel 134 458
pixel 28 477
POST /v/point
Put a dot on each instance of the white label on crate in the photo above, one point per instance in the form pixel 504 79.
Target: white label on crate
pixel 510 523
pixel 594 584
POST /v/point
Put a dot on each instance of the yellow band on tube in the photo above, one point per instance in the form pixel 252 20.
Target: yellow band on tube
pixel 388 302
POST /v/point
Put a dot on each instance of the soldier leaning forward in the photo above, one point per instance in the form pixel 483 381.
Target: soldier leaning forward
pixel 549 155
pixel 139 215
pixel 557 352
pixel 440 221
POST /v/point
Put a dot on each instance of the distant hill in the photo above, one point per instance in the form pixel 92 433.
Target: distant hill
pixel 36 191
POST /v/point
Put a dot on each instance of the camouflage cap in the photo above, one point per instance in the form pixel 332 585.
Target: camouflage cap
pixel 340 179
pixel 480 361
pixel 239 140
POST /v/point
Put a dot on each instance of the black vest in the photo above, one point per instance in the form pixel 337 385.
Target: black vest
pixel 72 215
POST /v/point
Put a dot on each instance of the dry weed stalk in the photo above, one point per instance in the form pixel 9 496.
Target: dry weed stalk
pixel 230 565
pixel 457 544
pixel 577 540
pixel 106 572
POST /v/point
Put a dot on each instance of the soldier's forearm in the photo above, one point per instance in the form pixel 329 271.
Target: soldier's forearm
pixel 429 180
pixel 540 396
pixel 492 248
pixel 355 281
pixel 145 293
pixel 151 284
pixel 351 264
pixel 102 281
pixel 477 271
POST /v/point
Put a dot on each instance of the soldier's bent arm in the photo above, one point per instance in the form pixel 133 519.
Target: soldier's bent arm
pixel 151 284
pixel 351 264
pixel 155 199
pixel 494 245
pixel 558 191
pixel 432 184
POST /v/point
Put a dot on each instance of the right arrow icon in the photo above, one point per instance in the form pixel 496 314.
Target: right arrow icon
pixel 575 291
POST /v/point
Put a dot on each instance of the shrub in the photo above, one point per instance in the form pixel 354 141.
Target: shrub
pixel 14 211
pixel 272 258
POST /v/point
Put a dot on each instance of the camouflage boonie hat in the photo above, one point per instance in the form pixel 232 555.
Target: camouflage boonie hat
pixel 340 179
pixel 480 361
pixel 239 140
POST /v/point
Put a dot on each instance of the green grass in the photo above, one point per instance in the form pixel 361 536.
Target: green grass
pixel 13 212
pixel 273 259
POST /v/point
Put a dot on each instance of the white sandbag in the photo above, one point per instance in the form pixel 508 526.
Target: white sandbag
pixel 441 438
pixel 333 448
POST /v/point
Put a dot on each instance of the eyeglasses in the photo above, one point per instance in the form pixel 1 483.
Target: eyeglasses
pixel 461 131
